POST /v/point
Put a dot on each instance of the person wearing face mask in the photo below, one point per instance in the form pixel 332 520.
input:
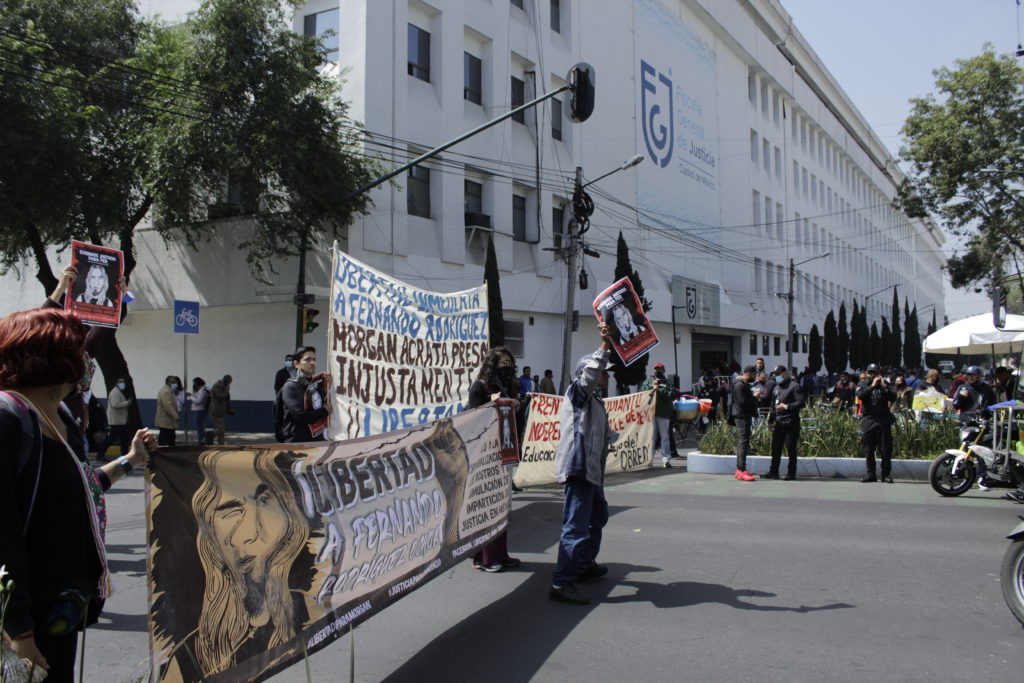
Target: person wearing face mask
pixel 973 397
pixel 787 398
pixel 117 414
pixel 496 379
pixel 305 407
pixel 665 393
pixel 904 394
pixel 876 400
pixel 167 412
pixel 220 406
pixel 284 374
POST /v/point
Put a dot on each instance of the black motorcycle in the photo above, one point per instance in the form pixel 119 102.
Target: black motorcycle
pixel 1011 577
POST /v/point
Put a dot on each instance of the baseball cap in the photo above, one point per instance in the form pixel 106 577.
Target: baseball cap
pixel 749 370
pixel 873 367
pixel 658 365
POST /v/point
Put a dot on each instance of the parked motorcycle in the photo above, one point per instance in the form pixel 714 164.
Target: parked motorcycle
pixel 954 472
pixel 1011 577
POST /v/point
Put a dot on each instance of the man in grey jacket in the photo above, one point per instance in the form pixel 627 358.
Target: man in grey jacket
pixel 579 466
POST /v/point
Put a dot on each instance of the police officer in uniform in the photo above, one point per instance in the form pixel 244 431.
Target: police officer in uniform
pixel 787 398
pixel 876 399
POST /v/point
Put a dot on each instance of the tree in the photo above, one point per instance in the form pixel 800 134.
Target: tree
pixel 831 339
pixel 965 149
pixel 108 117
pixel 885 355
pixel 912 347
pixel 814 350
pixel 896 340
pixel 630 375
pixel 843 338
pixel 856 341
pixel 495 309
pixel 874 341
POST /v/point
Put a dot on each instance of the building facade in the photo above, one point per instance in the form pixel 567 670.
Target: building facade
pixel 754 159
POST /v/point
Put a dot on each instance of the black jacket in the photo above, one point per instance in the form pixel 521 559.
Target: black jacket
pixel 875 401
pixel 280 378
pixel 976 404
pixel 743 404
pixel 789 393
pixel 299 413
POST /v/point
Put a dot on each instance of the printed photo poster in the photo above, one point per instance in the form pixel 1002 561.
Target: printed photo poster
pixel 400 356
pixel 631 332
pixel 632 416
pixel 258 552
pixel 94 297
pixel 314 399
pixel 509 434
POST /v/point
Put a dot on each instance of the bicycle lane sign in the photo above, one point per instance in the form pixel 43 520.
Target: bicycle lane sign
pixel 186 317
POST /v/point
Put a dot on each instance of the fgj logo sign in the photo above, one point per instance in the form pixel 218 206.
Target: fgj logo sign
pixel 691 302
pixel 658 118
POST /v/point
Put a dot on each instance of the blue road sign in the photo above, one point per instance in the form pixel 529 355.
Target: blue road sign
pixel 186 317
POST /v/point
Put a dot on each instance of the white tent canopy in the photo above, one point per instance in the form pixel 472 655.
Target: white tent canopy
pixel 977 334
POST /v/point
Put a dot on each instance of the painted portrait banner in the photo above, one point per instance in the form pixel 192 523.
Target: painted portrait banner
pixel 400 356
pixel 94 297
pixel 632 416
pixel 259 553
pixel 631 332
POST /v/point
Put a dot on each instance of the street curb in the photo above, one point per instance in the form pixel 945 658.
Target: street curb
pixel 824 468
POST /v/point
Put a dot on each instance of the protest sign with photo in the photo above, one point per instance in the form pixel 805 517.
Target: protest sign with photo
pixel 632 416
pixel 94 297
pixel 400 356
pixel 631 332
pixel 258 553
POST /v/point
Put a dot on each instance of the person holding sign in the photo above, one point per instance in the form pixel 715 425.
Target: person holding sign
pixel 51 498
pixel 306 407
pixel 496 379
pixel 579 466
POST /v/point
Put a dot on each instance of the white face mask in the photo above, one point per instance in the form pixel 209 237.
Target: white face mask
pixel 288 364
pixel 174 387
pixel 778 378
pixel 122 386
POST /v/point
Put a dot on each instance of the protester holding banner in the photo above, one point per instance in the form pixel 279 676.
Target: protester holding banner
pixel 306 409
pixel 579 465
pixel 496 379
pixel 51 499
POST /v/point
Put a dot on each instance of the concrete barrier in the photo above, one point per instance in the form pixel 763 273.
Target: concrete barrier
pixel 842 468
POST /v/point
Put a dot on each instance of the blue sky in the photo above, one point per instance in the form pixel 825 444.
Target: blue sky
pixel 883 53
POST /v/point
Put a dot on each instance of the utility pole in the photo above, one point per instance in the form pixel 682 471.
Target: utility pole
pixel 570 290
pixel 789 319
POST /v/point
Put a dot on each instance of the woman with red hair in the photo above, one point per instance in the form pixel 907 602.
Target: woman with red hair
pixel 51 499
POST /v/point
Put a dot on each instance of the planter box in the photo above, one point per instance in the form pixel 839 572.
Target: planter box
pixel 842 468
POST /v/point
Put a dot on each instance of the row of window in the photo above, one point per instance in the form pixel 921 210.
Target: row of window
pixel 775 349
pixel 418 203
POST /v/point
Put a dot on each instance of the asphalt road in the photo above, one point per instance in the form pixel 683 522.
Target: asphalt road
pixel 710 580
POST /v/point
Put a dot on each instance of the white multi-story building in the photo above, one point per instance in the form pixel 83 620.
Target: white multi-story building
pixel 754 159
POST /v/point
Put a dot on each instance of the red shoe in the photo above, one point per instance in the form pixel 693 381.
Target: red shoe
pixel 744 475
pixel 739 475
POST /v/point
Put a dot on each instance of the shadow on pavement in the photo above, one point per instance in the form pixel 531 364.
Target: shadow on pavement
pixel 112 621
pixel 510 639
pixel 686 593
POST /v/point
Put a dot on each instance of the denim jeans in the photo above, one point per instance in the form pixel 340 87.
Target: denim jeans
pixel 665 436
pixel 584 514
pixel 200 418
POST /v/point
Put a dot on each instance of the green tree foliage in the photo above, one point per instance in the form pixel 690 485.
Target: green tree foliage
pixel 885 355
pixel 630 375
pixel 874 342
pixel 107 117
pixel 965 148
pixel 831 353
pixel 842 338
pixel 814 350
pixel 495 308
pixel 895 347
pixel 856 342
pixel 867 350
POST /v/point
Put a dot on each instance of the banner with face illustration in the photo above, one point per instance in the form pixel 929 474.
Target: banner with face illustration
pixel 93 296
pixel 257 553
pixel 400 356
pixel 632 416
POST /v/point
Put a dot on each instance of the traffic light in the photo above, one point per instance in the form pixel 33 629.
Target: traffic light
pixel 308 324
pixel 582 80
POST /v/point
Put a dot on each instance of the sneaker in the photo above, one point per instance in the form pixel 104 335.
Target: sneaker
pixel 887 479
pixel 511 562
pixel 592 573
pixel 568 593
pixel 983 484
pixel 769 475
pixel 666 464
pixel 868 479
pixel 489 568
pixel 747 476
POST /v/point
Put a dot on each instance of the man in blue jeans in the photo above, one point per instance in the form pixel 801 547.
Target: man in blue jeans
pixel 579 465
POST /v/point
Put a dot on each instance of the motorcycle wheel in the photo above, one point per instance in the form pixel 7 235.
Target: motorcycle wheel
pixel 945 483
pixel 1011 579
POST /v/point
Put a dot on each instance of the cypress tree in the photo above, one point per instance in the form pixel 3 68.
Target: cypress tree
pixel 633 374
pixel 843 340
pixel 895 346
pixel 814 350
pixel 495 316
pixel 856 342
pixel 831 339
pixel 887 343
pixel 874 341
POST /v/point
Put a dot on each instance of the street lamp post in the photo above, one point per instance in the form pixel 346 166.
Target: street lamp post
pixel 789 306
pixel 581 210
